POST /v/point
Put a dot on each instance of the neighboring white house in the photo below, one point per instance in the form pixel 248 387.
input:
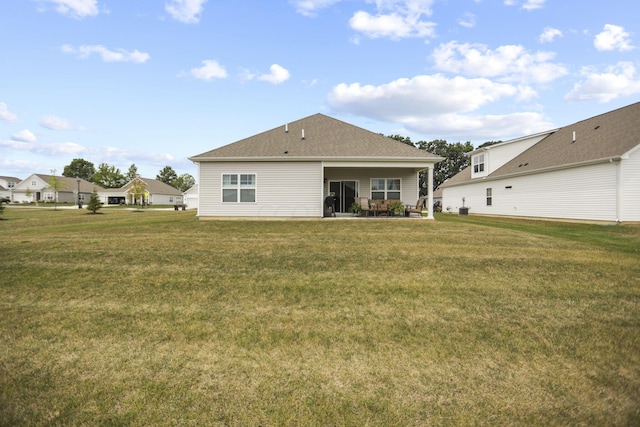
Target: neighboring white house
pixel 290 170
pixel 7 183
pixel 190 197
pixel 155 193
pixel 589 170
pixel 37 188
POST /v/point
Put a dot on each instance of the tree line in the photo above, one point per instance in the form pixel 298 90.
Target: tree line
pixel 455 158
pixel 107 176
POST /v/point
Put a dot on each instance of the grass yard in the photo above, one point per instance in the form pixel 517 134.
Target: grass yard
pixel 156 318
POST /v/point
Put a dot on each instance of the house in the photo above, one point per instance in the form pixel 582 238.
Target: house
pixel 7 183
pixel 288 171
pixel 190 197
pixel 153 192
pixel 589 170
pixel 37 188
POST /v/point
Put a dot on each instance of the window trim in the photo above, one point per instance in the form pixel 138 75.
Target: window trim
pixel 239 186
pixel 386 190
pixel 489 194
pixel 479 163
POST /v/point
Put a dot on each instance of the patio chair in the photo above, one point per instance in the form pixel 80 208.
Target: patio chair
pixel 418 208
pixel 365 206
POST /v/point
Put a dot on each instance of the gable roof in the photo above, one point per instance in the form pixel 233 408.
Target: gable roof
pixel 600 138
pixel 71 183
pixel 153 187
pixel 597 139
pixel 316 137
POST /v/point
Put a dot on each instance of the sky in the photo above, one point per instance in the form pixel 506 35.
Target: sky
pixel 153 82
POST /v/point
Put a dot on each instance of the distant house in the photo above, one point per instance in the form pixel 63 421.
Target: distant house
pixel 155 193
pixel 7 183
pixel 290 170
pixel 36 188
pixel 190 197
pixel 589 170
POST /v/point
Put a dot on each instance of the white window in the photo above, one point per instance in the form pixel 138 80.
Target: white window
pixel 478 163
pixel 11 184
pixel 385 188
pixel 238 188
pixel 489 197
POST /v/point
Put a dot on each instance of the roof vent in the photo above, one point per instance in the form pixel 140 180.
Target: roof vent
pixel 286 128
pixel 302 134
pixel 574 137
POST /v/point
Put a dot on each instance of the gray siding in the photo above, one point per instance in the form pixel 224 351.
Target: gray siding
pixel 409 184
pixel 584 193
pixel 284 189
pixel 630 187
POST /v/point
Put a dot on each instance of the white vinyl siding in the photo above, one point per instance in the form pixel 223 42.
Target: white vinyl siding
pixel 583 193
pixel 410 180
pixel 629 182
pixel 289 189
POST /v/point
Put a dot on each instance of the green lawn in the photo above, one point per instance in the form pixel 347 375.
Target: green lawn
pixel 156 318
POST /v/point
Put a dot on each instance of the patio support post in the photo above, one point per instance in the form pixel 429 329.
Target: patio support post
pixel 430 192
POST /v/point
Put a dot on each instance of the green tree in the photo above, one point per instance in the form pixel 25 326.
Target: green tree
pixel 132 173
pixel 488 143
pixel 403 139
pixel 137 191
pixel 56 184
pixel 79 168
pixel 184 182
pixel 94 201
pixel 455 159
pixel 167 175
pixel 108 176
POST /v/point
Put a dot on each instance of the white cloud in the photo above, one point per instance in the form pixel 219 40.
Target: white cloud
pixel 478 127
pixel 422 95
pixel 439 106
pixel 24 136
pixel 528 4
pixel 510 63
pixel 56 123
pixel 277 75
pixel 209 71
pixel 613 37
pixel 107 55
pixel 548 34
pixel 76 8
pixel 310 7
pixel 603 86
pixel 187 11
pixel 468 20
pixel 533 4
pixel 6 115
pixel 395 19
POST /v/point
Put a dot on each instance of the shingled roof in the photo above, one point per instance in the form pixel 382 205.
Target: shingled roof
pixel 602 137
pixel 317 137
pixel 597 139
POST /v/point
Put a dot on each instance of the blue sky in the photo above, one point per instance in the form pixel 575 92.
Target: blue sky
pixel 152 82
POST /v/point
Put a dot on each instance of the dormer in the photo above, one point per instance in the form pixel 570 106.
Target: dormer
pixel 486 160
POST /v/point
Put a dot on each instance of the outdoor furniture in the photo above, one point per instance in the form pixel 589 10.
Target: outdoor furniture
pixel 418 209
